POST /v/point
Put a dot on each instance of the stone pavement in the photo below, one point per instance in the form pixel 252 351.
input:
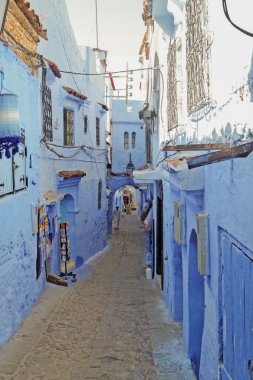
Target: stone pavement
pixel 110 326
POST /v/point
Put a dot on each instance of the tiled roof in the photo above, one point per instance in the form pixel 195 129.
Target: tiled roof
pixel 74 93
pixel 53 67
pixel 32 17
pixel 104 106
pixel 71 173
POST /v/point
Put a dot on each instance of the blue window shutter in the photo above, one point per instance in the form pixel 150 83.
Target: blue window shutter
pixel 6 182
pixel 19 169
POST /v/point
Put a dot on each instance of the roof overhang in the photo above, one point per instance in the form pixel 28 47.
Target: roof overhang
pixel 147 176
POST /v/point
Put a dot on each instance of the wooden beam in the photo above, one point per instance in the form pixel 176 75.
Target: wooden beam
pixel 195 147
pixel 238 151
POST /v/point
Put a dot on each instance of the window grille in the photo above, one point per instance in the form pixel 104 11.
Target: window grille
pixel 99 194
pixel 197 55
pixel 85 123
pixel 46 108
pixel 126 140
pixel 97 131
pixel 68 126
pixel 172 110
pixel 133 140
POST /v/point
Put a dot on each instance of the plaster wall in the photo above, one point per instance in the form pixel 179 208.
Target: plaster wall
pixel 18 250
pixel 228 203
pixel 61 48
pixel 124 121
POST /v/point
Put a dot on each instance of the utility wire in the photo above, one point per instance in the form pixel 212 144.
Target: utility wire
pixel 107 72
pixel 96 3
pixel 225 8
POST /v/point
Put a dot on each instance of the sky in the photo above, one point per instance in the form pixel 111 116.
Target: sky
pixel 120 26
pixel 120 32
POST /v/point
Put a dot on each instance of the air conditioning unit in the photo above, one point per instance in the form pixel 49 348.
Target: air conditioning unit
pixel 179 222
pixel 203 242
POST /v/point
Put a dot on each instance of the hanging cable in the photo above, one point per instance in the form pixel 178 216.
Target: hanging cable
pixel 107 72
pixel 225 8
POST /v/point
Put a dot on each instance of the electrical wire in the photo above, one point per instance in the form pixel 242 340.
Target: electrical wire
pixel 73 147
pixel 80 148
pixel 225 9
pixel 40 58
pixel 107 72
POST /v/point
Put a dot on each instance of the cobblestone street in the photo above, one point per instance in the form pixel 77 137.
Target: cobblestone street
pixel 110 325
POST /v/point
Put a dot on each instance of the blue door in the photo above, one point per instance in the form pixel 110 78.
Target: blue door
pixel 237 312
pixel 67 215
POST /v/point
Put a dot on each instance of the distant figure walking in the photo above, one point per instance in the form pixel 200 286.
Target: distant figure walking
pixel 116 217
pixel 128 210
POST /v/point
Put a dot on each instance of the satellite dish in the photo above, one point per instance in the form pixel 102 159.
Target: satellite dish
pixel 3 11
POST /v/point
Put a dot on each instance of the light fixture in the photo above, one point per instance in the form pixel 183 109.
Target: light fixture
pixel 130 166
pixel 3 11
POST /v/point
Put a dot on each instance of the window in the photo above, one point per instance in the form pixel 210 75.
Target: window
pixel 97 131
pixel 68 127
pixel 99 194
pixel 46 109
pixel 198 47
pixel 12 172
pixel 85 123
pixel 133 140
pixel 126 140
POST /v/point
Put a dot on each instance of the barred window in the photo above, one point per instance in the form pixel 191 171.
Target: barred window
pixel 126 140
pixel 85 123
pixel 197 55
pixel 133 140
pixel 68 126
pixel 100 194
pixel 172 110
pixel 97 131
pixel 46 109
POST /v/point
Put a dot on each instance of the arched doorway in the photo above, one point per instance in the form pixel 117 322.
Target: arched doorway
pixel 196 296
pixel 67 206
pixel 115 183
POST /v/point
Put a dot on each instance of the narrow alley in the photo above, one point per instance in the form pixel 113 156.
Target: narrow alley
pixel 111 325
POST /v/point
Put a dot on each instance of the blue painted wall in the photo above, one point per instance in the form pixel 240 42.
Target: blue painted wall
pixel 124 121
pixel 224 192
pixel 19 288
pixel 18 250
pixel 90 222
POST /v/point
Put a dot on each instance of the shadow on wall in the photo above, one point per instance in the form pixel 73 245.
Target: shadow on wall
pixel 79 261
pixel 196 305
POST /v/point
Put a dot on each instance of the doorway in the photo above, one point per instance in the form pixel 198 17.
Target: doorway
pixel 67 215
pixel 196 296
pixel 159 241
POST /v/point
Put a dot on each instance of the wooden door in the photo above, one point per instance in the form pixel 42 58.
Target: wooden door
pixel 237 312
